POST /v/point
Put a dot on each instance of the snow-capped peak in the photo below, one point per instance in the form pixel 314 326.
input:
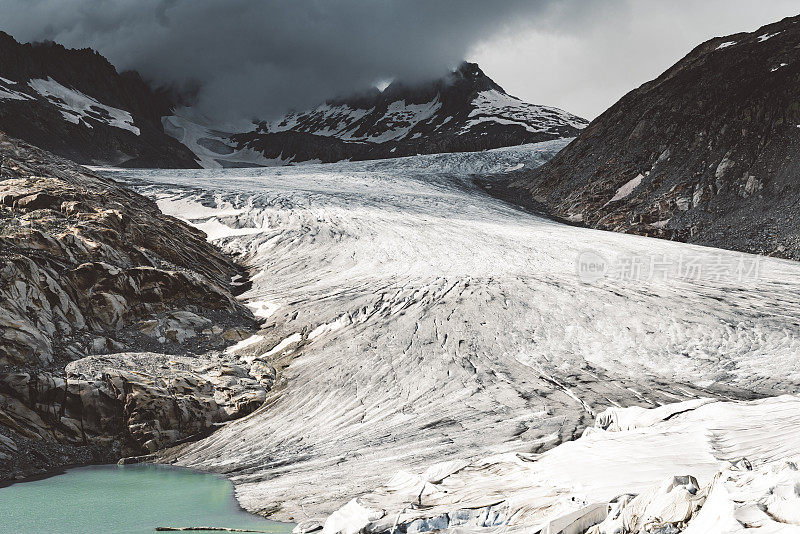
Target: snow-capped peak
pixel 462 111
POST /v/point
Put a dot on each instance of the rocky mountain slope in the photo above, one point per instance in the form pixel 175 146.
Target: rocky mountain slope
pixel 461 112
pixel 708 152
pixel 75 104
pixel 92 275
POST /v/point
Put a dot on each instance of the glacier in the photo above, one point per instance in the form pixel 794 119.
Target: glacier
pixel 445 361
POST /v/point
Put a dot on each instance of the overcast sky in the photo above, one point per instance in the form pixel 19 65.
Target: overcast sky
pixel 587 64
pixel 254 58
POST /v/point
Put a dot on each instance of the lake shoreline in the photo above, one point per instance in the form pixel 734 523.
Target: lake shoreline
pixel 139 497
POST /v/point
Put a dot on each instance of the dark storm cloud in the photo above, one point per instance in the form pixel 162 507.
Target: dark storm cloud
pixel 263 57
pixel 260 58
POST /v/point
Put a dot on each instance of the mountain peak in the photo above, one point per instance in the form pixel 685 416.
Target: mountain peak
pixel 472 74
pixel 463 111
pixel 467 78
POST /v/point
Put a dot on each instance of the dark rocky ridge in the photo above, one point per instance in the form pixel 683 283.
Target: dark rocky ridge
pixel 439 116
pixel 93 275
pixel 37 120
pixel 715 141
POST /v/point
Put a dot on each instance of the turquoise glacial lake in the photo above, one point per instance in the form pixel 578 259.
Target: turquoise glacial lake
pixel 132 499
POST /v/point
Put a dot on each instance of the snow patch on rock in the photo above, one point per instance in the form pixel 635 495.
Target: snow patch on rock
pixel 626 189
pixel 79 108
pixel 495 106
pixel 7 93
pixel 766 36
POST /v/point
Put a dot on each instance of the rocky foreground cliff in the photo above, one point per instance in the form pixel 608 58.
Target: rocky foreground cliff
pixel 706 153
pixel 113 318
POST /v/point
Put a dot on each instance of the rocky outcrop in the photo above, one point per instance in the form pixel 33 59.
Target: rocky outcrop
pixel 464 111
pixel 706 153
pixel 123 404
pixel 96 260
pixel 91 268
pixel 75 104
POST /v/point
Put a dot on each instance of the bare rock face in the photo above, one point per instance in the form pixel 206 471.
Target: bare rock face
pixel 89 267
pixel 152 400
pixel 705 153
pixel 128 403
pixel 93 258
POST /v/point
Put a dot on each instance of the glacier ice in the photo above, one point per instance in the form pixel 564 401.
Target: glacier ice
pixel 457 357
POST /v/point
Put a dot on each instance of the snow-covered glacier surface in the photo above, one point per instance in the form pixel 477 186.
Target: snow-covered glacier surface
pixel 436 345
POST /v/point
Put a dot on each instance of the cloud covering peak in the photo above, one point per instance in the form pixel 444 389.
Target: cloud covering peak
pixel 263 58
